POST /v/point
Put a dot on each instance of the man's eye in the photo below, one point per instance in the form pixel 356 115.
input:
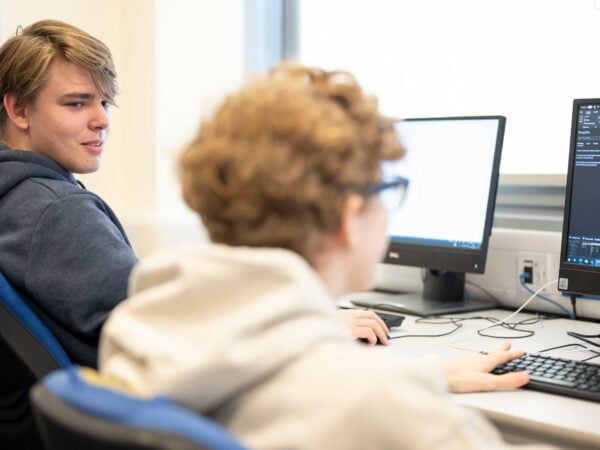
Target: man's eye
pixel 75 104
pixel 105 104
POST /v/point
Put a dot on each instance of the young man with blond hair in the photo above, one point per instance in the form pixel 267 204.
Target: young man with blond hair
pixel 286 178
pixel 61 245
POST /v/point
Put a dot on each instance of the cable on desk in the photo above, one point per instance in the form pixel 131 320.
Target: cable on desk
pixel 582 347
pixel 458 323
pixel 513 326
pixel 559 347
pixel 485 291
pixel 543 297
pixel 510 316
pixel 447 320
pixel 585 337
pixel 574 305
pixel 596 354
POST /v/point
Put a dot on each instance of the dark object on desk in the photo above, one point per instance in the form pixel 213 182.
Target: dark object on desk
pixel 391 320
pixel 557 375
pixel 366 341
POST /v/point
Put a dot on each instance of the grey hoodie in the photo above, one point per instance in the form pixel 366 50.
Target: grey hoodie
pixel 63 248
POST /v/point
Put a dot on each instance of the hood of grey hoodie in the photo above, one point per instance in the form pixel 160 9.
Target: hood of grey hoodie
pixel 204 324
pixel 19 165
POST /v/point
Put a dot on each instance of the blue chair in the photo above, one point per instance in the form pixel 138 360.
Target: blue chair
pixel 78 409
pixel 28 351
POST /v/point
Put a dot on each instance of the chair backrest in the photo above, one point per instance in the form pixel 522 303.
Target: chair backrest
pixel 28 351
pixel 27 335
pixel 74 413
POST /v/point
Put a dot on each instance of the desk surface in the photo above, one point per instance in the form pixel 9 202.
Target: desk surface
pixel 522 415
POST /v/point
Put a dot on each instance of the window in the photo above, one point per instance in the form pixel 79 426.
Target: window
pixel 526 60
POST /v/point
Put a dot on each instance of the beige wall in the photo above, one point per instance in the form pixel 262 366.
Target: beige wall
pixel 175 59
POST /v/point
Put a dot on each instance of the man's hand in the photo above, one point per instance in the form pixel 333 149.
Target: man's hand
pixel 471 374
pixel 366 325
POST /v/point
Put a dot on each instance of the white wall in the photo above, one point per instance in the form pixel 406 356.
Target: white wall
pixel 200 58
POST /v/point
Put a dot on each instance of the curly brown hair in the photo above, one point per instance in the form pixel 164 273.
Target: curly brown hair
pixel 275 164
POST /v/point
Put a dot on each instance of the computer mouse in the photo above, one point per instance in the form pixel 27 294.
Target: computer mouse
pixel 366 341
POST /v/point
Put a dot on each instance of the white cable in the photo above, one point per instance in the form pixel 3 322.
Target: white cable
pixel 510 316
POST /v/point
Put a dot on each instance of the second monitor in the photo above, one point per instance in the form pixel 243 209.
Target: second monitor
pixel 444 224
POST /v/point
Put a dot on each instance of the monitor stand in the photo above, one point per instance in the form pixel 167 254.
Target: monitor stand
pixel 442 294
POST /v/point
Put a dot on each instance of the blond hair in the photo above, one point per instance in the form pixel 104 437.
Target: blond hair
pixel 25 61
pixel 275 164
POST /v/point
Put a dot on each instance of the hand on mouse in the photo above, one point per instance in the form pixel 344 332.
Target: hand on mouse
pixel 472 373
pixel 366 325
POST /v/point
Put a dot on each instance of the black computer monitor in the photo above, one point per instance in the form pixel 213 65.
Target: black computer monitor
pixel 444 224
pixel 579 271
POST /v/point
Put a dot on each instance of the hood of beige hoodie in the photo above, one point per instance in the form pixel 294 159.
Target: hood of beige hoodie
pixel 201 325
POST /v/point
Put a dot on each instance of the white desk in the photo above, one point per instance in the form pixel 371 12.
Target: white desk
pixel 522 415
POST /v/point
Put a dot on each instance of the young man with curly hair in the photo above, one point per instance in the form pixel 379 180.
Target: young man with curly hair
pixel 285 177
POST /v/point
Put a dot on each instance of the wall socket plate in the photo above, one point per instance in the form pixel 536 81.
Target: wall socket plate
pixel 540 264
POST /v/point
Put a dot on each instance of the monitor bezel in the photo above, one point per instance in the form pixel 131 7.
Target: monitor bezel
pixel 450 258
pixel 578 279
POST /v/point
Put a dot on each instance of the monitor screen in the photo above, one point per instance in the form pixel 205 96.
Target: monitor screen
pixel 579 271
pixel 444 223
pixel 446 218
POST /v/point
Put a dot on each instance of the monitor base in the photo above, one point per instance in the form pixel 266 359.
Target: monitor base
pixel 416 305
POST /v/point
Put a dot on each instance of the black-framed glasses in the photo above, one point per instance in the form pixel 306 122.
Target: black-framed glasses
pixel 392 190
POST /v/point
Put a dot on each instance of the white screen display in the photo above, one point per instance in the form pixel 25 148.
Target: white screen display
pixel 449 165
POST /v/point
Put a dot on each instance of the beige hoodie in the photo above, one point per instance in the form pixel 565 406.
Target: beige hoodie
pixel 250 338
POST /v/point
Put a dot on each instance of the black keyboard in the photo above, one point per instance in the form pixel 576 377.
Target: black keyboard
pixel 391 320
pixel 558 375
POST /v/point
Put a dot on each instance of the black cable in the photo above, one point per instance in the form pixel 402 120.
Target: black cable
pixel 457 325
pixel 488 293
pixel 513 326
pixel 595 353
pixel 457 322
pixel 558 347
pixel 574 305
pixel 585 337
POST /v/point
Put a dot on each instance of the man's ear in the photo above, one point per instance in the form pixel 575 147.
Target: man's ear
pixel 349 232
pixel 17 113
